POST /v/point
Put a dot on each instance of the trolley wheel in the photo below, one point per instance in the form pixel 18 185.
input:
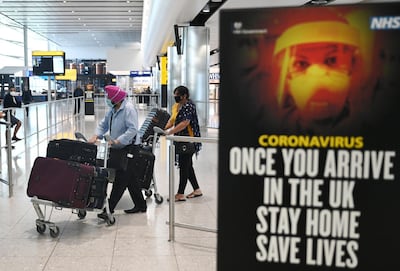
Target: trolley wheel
pixel 148 193
pixel 110 221
pixel 54 232
pixel 159 198
pixel 41 228
pixel 82 214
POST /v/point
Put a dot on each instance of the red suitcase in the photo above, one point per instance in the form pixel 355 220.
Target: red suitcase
pixel 66 183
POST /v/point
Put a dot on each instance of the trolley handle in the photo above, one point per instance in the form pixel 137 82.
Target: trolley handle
pixel 80 136
pixel 158 130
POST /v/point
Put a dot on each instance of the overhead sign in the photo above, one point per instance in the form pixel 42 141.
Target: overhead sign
pixel 48 63
pixel 214 77
pixel 140 73
pixel 70 74
pixel 48 53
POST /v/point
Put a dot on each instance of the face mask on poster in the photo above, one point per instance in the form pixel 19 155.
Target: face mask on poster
pixel 320 96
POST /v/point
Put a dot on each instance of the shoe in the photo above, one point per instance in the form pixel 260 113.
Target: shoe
pixel 194 195
pixel 176 200
pixel 135 210
pixel 12 147
pixel 103 215
pixel 179 197
pixel 15 138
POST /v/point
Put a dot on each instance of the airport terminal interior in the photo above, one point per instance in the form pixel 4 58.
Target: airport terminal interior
pixel 128 38
pixel 136 241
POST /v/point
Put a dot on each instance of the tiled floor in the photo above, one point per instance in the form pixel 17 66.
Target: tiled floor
pixel 134 242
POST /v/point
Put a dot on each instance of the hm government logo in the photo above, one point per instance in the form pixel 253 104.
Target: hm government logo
pixel 385 23
pixel 238 29
pixel 237 25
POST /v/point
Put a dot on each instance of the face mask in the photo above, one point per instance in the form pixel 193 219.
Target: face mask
pixel 177 99
pixel 320 95
pixel 109 103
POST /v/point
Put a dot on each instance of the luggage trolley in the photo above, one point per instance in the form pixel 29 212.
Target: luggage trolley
pixel 101 161
pixel 150 134
pixel 95 177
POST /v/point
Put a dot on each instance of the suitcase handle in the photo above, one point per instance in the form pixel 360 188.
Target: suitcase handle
pixel 81 191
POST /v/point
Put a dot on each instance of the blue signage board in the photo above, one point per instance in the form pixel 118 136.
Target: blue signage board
pixel 140 74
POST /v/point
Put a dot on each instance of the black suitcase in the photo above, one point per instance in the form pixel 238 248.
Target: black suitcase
pixel 66 183
pixel 144 166
pixel 98 190
pixel 72 150
pixel 156 117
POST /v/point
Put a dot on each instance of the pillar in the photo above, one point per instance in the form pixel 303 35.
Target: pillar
pixel 191 69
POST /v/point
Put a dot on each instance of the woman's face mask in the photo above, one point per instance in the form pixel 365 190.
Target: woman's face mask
pixel 178 98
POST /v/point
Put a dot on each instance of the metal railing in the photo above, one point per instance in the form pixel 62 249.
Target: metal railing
pixel 56 121
pixel 45 121
pixel 8 182
pixel 171 222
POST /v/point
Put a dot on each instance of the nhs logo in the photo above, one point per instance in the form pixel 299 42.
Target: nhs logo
pixel 385 23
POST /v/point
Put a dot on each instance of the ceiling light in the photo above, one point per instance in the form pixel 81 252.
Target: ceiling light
pixel 214 51
pixel 318 2
pixel 206 8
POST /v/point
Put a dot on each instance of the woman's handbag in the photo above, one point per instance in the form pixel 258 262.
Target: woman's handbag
pixel 185 147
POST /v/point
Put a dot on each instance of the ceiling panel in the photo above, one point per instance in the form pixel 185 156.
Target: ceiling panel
pixel 80 23
pixel 114 23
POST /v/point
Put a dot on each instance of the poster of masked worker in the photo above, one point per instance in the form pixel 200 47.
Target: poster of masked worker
pixel 309 166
